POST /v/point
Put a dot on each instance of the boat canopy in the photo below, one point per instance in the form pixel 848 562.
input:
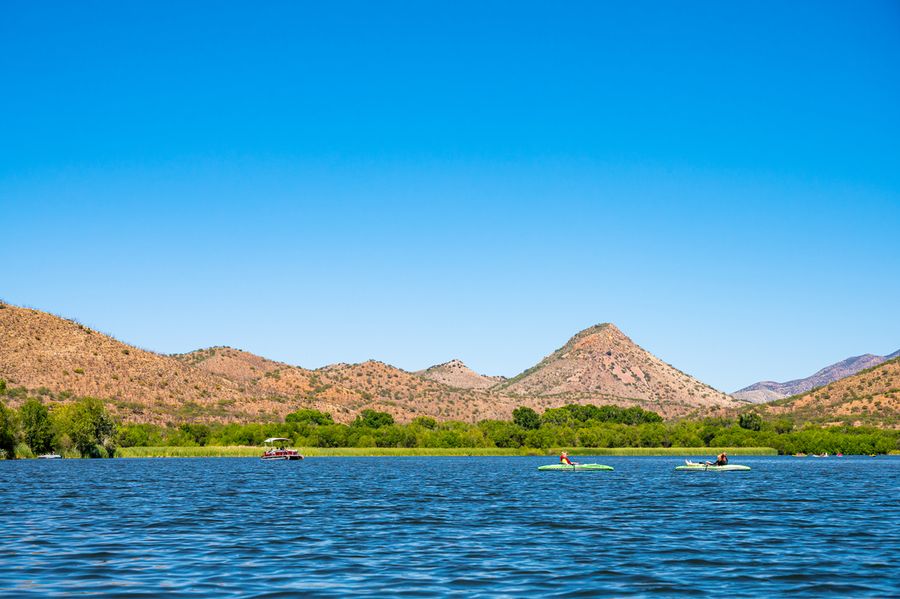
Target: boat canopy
pixel 273 439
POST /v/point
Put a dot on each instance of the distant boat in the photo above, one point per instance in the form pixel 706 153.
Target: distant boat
pixel 50 456
pixel 278 452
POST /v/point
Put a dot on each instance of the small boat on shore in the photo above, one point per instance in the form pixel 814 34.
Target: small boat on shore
pixel 50 456
pixel 275 450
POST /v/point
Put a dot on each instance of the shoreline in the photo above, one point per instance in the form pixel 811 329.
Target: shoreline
pixel 251 451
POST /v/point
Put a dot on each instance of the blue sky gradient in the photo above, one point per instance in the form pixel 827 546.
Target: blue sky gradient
pixel 413 182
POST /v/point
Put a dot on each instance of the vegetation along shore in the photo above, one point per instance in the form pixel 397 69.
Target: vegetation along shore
pixel 244 451
pixel 84 428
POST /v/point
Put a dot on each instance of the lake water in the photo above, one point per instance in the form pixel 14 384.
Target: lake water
pixel 488 526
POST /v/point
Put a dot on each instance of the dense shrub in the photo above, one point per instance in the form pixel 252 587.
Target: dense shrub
pixel 37 428
pixel 306 416
pixel 89 427
pixel 750 421
pixel 8 428
pixel 373 419
pixel 526 418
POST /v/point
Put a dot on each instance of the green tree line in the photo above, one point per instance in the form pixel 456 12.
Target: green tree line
pixel 568 426
pixel 83 427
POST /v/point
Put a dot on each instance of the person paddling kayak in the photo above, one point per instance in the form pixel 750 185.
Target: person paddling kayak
pixel 721 460
pixel 564 459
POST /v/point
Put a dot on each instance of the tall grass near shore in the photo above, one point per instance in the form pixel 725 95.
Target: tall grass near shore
pixel 237 451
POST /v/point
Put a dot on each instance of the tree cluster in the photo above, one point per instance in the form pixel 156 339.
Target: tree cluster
pixel 82 426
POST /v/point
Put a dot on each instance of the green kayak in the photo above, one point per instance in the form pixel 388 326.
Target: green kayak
pixel 704 467
pixel 566 467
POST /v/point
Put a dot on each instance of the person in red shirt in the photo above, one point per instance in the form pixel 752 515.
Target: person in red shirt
pixel 564 459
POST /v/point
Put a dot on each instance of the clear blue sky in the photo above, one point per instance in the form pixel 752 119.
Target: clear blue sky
pixel 417 181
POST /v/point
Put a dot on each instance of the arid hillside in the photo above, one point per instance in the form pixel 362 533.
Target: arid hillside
pixel 44 352
pixel 868 397
pixel 260 377
pixel 456 374
pixel 765 391
pixel 60 358
pixel 47 354
pixel 601 360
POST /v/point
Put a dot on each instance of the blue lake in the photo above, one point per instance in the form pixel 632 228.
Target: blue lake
pixel 487 526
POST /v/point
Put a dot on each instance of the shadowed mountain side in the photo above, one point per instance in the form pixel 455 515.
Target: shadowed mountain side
pixel 765 391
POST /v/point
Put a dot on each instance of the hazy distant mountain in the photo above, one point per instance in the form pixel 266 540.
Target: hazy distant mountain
pixel 60 358
pixel 765 391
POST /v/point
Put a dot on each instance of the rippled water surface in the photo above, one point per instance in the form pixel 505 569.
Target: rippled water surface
pixel 432 526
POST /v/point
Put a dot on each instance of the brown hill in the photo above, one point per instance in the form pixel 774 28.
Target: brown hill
pixel 456 374
pixel 39 350
pixel 602 361
pixel 409 395
pixel 62 358
pixel 260 376
pixel 868 397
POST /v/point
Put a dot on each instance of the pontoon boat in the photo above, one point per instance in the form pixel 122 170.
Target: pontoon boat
pixel 275 450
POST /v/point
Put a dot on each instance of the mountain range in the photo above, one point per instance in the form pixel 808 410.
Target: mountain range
pixel 766 391
pixel 60 358
pixel 871 396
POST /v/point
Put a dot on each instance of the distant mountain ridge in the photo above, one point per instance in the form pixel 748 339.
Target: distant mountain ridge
pixel 60 358
pixel 871 396
pixel 765 391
